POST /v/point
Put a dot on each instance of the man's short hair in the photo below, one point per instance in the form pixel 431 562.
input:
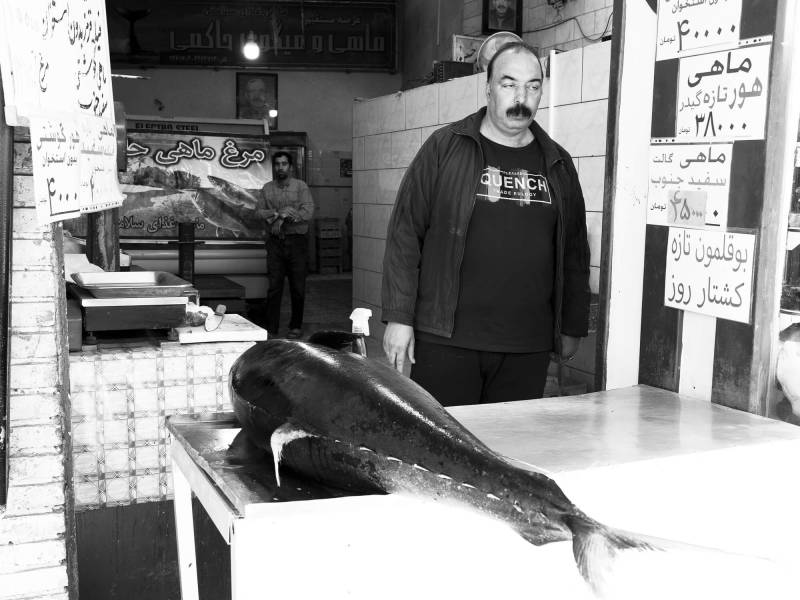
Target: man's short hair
pixel 512 46
pixel 280 153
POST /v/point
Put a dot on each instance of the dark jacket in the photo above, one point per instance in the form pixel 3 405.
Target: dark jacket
pixel 428 228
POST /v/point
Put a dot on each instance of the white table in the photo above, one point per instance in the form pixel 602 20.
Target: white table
pixel 639 458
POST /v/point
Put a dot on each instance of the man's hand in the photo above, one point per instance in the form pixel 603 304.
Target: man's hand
pixel 276 227
pixel 569 346
pixel 267 214
pixel 289 213
pixel 398 342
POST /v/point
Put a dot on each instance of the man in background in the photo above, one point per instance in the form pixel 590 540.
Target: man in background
pixel 287 207
pixel 486 270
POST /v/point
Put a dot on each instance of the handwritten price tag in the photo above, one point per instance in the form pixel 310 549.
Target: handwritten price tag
pixel 710 272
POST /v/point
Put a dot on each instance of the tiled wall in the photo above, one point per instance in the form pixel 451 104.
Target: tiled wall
pixel 388 131
pixel 121 397
pixel 36 555
pixel 576 24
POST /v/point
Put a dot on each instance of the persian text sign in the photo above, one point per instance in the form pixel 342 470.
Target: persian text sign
pixel 291 34
pixel 57 80
pixel 213 181
pixel 58 58
pixel 689 184
pixel 723 95
pixel 710 272
pixel 688 25
pixel 70 173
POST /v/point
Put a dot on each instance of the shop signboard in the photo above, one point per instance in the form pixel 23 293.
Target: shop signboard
pixel 355 36
pixel 710 272
pixel 187 173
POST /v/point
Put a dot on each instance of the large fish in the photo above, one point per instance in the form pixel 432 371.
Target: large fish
pixel 232 194
pixel 359 425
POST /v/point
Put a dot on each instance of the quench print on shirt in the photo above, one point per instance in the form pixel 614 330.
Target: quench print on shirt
pixel 517 185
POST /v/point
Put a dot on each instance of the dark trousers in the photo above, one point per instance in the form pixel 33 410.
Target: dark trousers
pixel 456 376
pixel 286 257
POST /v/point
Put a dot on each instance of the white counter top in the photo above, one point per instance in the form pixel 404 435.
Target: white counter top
pixel 641 459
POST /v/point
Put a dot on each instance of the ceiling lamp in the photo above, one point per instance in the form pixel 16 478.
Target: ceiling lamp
pixel 251 49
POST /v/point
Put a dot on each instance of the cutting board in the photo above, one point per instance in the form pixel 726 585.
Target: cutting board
pixel 234 328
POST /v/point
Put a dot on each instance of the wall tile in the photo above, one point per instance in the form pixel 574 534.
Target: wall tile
pixel 23 191
pixel 361 110
pixel 581 128
pixel 563 33
pixel 472 8
pixel 32 253
pixel 472 25
pixel 25 346
pixel 358 153
pixel 366 287
pixel 365 187
pixel 543 118
pixel 27 529
pixel 591 170
pixel 565 77
pixel 584 25
pixel 594 229
pixel 376 220
pixel 358 219
pixel 390 113
pixel 603 19
pixel 33 284
pixel 405 145
pixel 426 132
pixel 596 66
pixel 388 184
pixel 422 106
pixel 547 88
pixel 378 151
pixel 457 98
pixel 573 8
pixel 368 253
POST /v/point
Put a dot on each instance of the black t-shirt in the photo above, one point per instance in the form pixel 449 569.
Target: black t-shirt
pixel 505 300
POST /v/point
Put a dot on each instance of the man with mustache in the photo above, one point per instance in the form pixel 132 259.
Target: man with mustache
pixel 486 270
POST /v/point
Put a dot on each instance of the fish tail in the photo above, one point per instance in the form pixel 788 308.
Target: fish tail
pixel 619 565
pixel 597 548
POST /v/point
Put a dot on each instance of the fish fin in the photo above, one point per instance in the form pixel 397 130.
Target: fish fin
pixel 620 565
pixel 280 437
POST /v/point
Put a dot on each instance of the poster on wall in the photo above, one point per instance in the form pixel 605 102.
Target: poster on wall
pixel 211 180
pixel 689 184
pixel 723 95
pixel 57 80
pixel 710 272
pixel 689 25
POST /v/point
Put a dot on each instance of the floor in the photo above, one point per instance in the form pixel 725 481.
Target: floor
pixel 329 302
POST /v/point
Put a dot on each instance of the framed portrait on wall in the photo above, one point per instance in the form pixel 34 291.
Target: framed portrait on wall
pixel 256 96
pixel 502 15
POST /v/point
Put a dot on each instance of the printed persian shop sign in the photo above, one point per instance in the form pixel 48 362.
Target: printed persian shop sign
pixel 212 181
pixel 710 272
